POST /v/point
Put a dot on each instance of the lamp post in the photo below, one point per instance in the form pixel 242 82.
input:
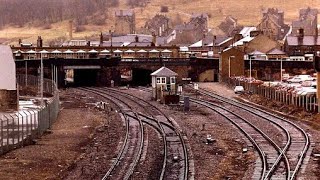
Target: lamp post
pixel 41 79
pixel 280 69
pixel 250 69
pixel 111 34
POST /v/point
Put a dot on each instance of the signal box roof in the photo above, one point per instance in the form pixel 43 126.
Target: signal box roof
pixel 164 72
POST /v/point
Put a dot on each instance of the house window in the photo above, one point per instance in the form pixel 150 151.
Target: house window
pixel 158 80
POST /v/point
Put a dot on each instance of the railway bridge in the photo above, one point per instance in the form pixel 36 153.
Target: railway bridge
pixel 99 66
pixel 103 71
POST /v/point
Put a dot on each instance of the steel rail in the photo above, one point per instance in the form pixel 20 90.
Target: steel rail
pixel 163 135
pixel 242 105
pixel 186 165
pixel 115 163
pixel 137 158
pixel 260 151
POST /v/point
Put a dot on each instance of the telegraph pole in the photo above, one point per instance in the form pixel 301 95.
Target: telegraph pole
pixel 41 80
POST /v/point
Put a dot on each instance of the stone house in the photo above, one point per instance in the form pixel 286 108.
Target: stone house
pixel 193 31
pixel 301 44
pixel 308 21
pixel 158 25
pixel 229 26
pixel 272 24
pixel 125 22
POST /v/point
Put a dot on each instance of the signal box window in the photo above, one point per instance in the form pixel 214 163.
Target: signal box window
pixel 173 80
pixel 163 80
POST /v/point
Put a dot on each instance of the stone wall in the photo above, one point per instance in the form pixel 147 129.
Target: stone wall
pixel 8 100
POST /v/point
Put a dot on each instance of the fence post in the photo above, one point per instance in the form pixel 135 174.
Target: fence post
pixel 7 132
pixel 2 137
pixel 22 136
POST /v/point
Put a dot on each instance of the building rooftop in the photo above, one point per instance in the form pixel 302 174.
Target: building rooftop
pixel 164 72
pixel 246 30
pixel 306 40
pixel 276 51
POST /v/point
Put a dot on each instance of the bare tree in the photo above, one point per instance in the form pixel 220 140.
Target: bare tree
pixel 20 12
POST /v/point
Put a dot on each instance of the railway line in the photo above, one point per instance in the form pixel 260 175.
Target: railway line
pixel 294 150
pixel 268 150
pixel 175 155
pixel 278 160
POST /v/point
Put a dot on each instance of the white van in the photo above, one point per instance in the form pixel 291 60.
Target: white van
pixel 300 79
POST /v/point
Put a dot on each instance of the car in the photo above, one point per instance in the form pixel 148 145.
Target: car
pixel 238 89
pixel 300 79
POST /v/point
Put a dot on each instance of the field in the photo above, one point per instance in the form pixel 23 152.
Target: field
pixel 248 12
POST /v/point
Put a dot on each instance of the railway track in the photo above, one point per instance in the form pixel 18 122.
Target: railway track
pixel 268 150
pixel 298 142
pixel 293 150
pixel 175 150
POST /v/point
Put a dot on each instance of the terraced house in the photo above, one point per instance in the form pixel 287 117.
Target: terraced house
pixel 272 24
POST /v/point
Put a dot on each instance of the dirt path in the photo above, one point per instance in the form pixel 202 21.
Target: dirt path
pixel 59 148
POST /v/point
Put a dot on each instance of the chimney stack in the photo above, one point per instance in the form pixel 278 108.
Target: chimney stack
pixel 101 39
pixel 39 41
pixel 300 36
pixel 154 39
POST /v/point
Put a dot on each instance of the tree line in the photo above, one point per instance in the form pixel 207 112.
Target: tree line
pixel 41 12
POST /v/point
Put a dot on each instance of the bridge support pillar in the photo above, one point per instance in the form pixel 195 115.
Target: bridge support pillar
pixel 60 77
pixel 106 74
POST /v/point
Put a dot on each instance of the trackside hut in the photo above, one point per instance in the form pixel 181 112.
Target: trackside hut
pixel 163 83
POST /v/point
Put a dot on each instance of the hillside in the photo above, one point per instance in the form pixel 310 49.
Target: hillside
pixel 248 12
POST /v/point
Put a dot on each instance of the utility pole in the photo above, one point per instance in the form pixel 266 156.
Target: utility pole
pixel 316 65
pixel 41 80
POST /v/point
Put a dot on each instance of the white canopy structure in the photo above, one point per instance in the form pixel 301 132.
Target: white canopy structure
pixel 68 51
pixel 104 51
pixel 56 51
pixel 129 51
pixel 81 51
pixel 166 51
pixel 93 51
pixel 153 51
pixel 117 51
pixel 31 52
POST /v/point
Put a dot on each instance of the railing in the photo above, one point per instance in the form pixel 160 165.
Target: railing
pixel 278 94
pixel 20 128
